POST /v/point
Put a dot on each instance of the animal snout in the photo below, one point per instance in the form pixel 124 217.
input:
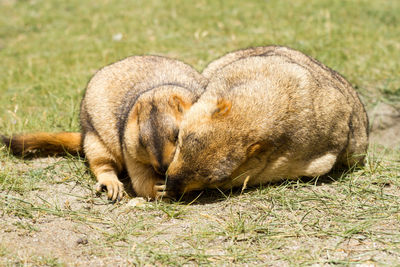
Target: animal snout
pixel 174 184
pixel 161 169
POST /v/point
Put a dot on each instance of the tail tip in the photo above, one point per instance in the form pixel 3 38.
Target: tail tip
pixel 5 140
pixel 13 145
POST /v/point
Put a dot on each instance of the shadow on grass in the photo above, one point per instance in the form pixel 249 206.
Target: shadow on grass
pixel 208 196
pixel 215 195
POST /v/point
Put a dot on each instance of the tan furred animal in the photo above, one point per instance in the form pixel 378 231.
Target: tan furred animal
pixel 130 118
pixel 268 113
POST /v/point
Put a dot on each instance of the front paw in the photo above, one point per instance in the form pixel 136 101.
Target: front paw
pixel 160 192
pixel 115 189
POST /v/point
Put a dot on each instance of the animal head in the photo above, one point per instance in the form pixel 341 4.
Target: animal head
pixel 211 145
pixel 152 132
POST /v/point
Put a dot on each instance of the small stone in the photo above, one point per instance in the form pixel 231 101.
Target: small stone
pixel 117 37
pixel 136 202
pixel 82 241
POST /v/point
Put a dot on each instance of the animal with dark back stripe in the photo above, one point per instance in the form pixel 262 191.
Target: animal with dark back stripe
pixel 130 118
pixel 268 113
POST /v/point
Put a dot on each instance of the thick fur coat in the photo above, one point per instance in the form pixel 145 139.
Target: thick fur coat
pixel 130 117
pixel 268 113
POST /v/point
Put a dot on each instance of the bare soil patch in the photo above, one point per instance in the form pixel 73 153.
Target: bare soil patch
pixel 385 125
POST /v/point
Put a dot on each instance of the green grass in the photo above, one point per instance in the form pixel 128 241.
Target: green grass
pixel 50 49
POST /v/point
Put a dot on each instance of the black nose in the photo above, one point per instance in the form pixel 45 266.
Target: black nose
pixel 174 185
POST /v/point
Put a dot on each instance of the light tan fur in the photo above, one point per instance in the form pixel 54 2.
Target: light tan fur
pixel 269 113
pixel 130 117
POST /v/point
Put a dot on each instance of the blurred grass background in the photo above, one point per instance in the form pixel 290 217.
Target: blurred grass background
pixel 50 49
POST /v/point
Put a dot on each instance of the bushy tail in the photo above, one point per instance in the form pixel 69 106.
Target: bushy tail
pixel 44 144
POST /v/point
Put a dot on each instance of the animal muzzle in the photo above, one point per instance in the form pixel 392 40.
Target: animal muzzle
pixel 175 185
pixel 161 169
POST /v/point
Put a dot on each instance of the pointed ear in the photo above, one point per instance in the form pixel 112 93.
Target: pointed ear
pixel 135 113
pixel 138 108
pixel 178 104
pixel 254 149
pixel 223 108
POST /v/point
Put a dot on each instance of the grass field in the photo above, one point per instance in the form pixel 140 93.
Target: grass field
pixel 49 214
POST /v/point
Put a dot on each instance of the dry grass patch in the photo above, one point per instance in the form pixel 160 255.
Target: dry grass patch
pixel 338 219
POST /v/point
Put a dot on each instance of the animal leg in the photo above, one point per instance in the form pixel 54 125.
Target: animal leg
pixel 104 166
pixel 145 181
pixel 320 165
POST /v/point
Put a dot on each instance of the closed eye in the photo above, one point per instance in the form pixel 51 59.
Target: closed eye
pixel 175 136
pixel 141 141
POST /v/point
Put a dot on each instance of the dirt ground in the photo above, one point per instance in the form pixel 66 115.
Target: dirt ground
pixel 385 125
pixel 64 223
